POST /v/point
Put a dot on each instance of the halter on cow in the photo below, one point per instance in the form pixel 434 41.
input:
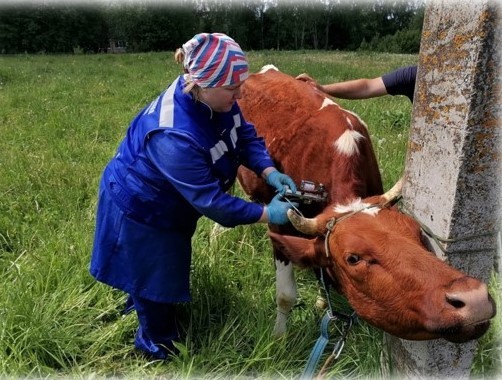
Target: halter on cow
pixel 375 257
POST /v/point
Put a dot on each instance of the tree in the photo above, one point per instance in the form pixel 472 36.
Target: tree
pixel 150 25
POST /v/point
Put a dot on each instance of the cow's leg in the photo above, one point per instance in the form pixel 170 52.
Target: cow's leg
pixel 285 295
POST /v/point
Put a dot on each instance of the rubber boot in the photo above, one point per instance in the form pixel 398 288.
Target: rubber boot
pixel 157 328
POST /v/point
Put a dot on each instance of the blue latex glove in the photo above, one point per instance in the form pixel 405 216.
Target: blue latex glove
pixel 280 181
pixel 277 210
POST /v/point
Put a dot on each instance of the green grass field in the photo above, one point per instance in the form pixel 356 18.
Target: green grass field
pixel 61 119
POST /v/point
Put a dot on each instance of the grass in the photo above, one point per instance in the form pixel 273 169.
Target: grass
pixel 61 119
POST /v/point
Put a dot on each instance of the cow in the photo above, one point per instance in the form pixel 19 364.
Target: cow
pixel 369 251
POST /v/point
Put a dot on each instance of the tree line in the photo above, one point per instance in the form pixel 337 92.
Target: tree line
pixel 148 25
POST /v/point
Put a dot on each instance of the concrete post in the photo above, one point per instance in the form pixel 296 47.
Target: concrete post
pixel 453 165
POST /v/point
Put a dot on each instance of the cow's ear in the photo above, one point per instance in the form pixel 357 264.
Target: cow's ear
pixel 301 251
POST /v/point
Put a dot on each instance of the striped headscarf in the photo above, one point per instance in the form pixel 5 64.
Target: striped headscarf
pixel 214 60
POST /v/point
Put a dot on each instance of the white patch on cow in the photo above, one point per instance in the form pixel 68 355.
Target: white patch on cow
pixel 349 121
pixel 355 206
pixel 327 102
pixel 268 67
pixel 357 117
pixel 347 142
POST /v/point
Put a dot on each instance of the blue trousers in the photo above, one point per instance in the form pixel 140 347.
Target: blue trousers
pixel 157 327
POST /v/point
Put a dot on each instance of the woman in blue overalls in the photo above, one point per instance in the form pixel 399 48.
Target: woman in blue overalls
pixel 178 159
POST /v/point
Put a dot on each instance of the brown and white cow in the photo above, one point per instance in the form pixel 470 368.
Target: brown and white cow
pixel 375 257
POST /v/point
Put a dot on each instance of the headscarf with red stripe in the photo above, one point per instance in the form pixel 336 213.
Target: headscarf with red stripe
pixel 214 60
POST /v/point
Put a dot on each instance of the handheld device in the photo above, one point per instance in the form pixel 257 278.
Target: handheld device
pixel 308 192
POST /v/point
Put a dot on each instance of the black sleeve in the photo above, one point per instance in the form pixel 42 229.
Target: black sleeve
pixel 401 81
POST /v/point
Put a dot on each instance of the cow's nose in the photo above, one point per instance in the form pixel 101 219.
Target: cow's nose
pixel 471 300
pixel 455 300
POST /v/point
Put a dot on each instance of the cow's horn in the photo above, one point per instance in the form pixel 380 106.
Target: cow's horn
pixel 394 192
pixel 304 225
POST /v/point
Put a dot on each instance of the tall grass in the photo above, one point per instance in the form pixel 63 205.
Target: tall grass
pixel 61 119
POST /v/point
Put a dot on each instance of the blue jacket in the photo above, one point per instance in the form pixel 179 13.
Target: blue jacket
pixel 175 164
pixel 180 158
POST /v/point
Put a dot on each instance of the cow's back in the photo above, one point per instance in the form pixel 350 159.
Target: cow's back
pixel 310 138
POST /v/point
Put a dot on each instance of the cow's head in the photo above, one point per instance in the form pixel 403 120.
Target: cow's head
pixel 374 256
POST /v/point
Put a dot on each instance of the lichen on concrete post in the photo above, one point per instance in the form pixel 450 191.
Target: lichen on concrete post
pixel 453 164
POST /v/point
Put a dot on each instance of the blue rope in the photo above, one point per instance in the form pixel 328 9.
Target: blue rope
pixel 320 345
pixel 323 340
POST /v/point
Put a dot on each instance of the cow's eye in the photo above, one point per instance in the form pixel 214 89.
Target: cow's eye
pixel 353 259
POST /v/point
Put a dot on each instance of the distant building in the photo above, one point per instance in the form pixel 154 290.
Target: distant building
pixel 117 46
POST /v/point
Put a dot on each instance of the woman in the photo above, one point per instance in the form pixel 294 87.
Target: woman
pixel 178 159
